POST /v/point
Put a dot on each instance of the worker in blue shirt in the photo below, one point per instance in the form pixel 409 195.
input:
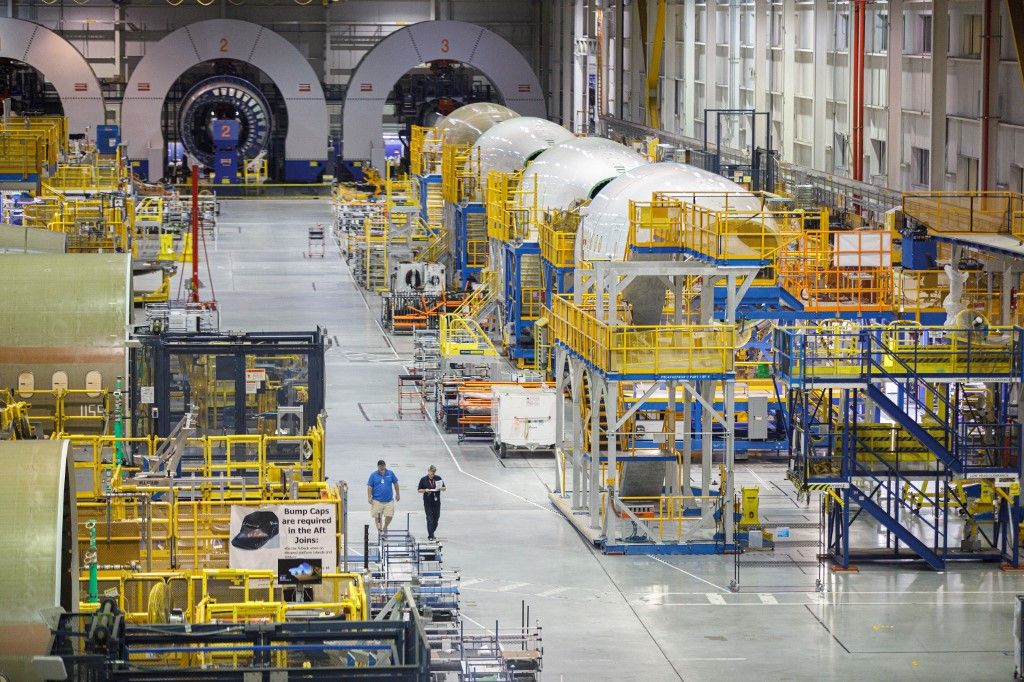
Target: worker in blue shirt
pixel 380 497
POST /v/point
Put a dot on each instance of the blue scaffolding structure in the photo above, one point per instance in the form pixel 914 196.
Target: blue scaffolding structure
pixel 887 421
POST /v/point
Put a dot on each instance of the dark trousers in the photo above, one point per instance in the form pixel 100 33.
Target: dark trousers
pixel 433 510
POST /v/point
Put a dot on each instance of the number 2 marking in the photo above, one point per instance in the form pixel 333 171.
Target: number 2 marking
pixel 223 44
pixel 444 44
pixel 225 131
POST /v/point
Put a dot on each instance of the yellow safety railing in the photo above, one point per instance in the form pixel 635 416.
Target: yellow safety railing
pixel 149 210
pixel 56 411
pixel 425 151
pixel 201 528
pixel 147 597
pixel 511 206
pixel 631 350
pixel 22 155
pixel 460 177
pixel 269 462
pixel 842 272
pixel 41 212
pixel 463 336
pixel 436 248
pixel 941 350
pixel 484 292
pixel 720 226
pixel 558 238
pixel 925 291
pixel 376 252
pixel 902 349
pixel 29 145
pixel 531 286
pixel 255 172
pixel 14 422
pixel 56 127
pixel 958 212
pixel 662 511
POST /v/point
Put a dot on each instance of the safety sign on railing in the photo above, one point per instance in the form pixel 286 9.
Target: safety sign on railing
pixel 261 536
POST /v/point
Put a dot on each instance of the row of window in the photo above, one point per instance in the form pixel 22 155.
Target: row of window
pixel 59 382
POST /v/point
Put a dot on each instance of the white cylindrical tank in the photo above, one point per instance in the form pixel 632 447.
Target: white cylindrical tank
pixel 508 146
pixel 604 224
pixel 466 124
pixel 604 227
pixel 575 169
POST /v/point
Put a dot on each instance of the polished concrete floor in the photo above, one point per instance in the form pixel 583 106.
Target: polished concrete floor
pixel 604 617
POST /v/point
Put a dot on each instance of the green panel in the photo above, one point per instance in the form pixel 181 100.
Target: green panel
pixel 66 312
pixel 19 240
pixel 33 477
pixel 66 300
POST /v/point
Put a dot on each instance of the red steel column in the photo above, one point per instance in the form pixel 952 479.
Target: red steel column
pixel 195 234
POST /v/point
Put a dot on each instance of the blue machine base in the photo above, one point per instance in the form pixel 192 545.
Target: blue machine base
pixel 296 170
pixel 668 548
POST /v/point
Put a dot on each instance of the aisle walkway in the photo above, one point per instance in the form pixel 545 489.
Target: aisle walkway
pixel 604 618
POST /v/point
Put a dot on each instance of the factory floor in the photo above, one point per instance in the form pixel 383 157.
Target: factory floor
pixel 604 617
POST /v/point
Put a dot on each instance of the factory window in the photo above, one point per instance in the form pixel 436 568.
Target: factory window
pixel 26 384
pixel 971 36
pixel 775 27
pixel 842 32
pixel 920 160
pixel 879 147
pixel 926 34
pixel 839 150
pixel 880 34
pixel 59 381
pixel 93 384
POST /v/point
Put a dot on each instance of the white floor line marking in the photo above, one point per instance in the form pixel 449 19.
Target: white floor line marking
pixel 696 577
pixel 471 581
pixel 712 659
pixel 511 586
pixel 477 478
pixel 760 480
pixel 715 598
pixel 768 599
pixel 385 335
pixel 553 591
pixel 476 623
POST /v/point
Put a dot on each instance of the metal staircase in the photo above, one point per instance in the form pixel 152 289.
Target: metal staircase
pixel 880 417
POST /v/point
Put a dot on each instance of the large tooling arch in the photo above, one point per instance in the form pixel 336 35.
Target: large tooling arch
pixel 62 65
pixel 407 48
pixel 224 39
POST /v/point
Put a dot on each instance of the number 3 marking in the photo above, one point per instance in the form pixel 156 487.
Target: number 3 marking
pixel 444 45
pixel 223 44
